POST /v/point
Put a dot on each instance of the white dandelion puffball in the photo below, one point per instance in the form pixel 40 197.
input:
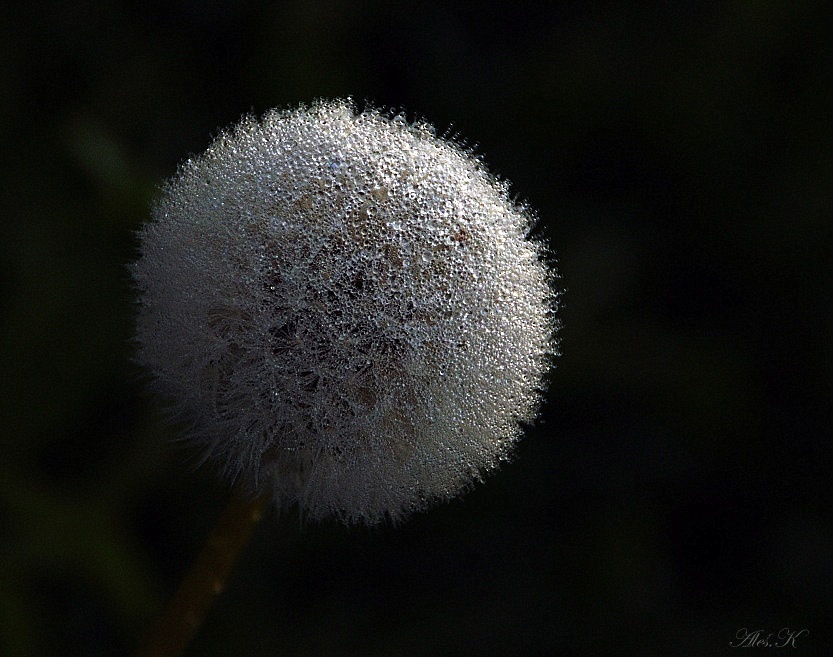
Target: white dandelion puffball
pixel 347 310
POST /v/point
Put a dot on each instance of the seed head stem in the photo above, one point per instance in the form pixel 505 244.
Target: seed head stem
pixel 207 578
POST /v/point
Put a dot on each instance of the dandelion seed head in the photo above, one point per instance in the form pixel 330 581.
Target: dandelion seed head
pixel 347 309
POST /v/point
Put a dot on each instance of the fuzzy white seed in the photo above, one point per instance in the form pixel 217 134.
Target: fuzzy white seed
pixel 347 310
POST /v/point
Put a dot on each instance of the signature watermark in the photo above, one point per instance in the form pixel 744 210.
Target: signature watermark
pixel 784 638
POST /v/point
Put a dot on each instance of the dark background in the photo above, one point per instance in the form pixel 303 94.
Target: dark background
pixel 678 487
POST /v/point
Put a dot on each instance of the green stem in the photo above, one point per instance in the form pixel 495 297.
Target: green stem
pixel 182 617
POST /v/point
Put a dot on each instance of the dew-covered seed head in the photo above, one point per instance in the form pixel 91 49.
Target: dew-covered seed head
pixel 347 309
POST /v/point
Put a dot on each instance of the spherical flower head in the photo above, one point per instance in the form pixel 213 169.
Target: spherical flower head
pixel 347 309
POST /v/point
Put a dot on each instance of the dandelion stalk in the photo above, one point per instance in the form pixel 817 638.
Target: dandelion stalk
pixel 206 580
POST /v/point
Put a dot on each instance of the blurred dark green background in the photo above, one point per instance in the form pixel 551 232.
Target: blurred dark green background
pixel 679 486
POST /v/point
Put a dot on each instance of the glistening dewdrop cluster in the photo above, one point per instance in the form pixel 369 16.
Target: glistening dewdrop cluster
pixel 347 310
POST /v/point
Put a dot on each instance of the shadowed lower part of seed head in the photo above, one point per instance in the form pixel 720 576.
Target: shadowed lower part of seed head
pixel 348 310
